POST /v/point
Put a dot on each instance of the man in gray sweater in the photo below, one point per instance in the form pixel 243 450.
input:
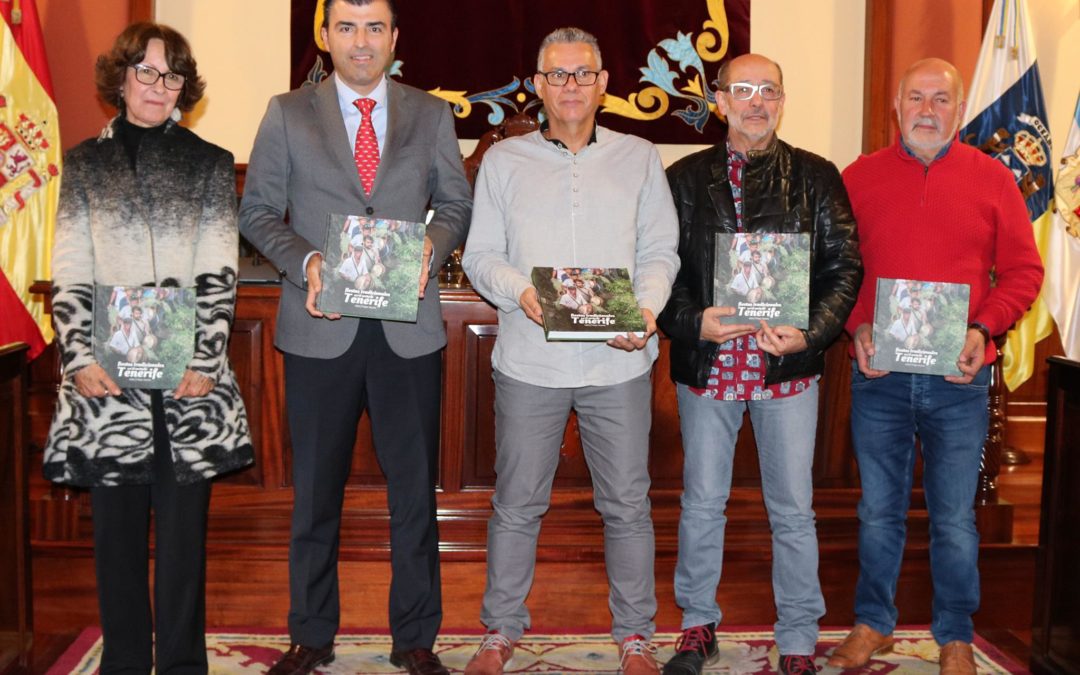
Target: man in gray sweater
pixel 575 195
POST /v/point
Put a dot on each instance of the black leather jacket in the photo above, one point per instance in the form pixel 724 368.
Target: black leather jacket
pixel 785 189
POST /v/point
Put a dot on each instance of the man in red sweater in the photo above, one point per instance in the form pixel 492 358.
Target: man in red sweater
pixel 933 209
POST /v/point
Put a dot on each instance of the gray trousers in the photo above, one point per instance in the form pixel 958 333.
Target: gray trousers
pixel 529 423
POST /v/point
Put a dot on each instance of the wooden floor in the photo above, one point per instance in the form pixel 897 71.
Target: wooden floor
pixel 745 593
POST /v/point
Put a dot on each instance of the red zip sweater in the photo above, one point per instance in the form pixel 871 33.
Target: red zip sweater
pixel 951 221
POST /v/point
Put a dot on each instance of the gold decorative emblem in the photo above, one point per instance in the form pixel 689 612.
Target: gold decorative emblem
pixel 1067 193
pixel 1029 149
pixel 681 74
pixel 24 167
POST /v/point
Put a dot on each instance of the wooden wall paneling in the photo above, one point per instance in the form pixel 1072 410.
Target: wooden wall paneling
pixel 365 472
pixel 665 462
pixel 44 377
pixel 252 350
pixel 834 461
pixel 141 10
pixel 246 356
pixel 467 319
pixel 56 511
pixel 572 471
pixel 478 450
pixel 877 103
pixel 1055 644
pixel 16 605
pixel 745 471
pixel 44 374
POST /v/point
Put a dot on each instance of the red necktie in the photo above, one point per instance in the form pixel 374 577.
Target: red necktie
pixel 366 152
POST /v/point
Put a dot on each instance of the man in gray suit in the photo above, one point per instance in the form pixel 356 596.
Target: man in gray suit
pixel 358 143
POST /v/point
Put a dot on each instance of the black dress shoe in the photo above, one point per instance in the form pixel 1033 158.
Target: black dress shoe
pixel 419 662
pixel 301 660
pixel 695 649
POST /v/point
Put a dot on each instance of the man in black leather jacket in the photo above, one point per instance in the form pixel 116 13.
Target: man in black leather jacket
pixel 753 183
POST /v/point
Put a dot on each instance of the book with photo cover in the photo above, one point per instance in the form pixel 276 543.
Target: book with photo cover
pixel 587 303
pixel 764 276
pixel 144 336
pixel 371 268
pixel 919 326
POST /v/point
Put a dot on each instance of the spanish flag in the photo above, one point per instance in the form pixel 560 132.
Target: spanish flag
pixel 30 159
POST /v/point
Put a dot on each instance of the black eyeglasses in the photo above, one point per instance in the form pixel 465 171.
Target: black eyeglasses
pixel 150 75
pixel 559 78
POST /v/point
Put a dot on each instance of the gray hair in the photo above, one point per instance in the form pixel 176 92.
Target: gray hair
pixel 568 35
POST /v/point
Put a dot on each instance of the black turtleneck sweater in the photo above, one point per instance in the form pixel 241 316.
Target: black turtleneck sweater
pixel 131 135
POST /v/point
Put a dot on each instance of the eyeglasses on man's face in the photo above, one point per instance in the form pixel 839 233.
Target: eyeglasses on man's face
pixel 744 91
pixel 150 75
pixel 559 78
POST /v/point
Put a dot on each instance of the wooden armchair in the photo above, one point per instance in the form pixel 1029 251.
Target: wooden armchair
pixel 451 275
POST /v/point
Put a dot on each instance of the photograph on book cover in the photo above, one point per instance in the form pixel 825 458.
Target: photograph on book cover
pixel 371 267
pixel 764 276
pixel 144 336
pixel 919 326
pixel 587 303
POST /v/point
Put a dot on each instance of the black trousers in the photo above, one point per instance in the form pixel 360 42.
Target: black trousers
pixel 121 558
pixel 324 399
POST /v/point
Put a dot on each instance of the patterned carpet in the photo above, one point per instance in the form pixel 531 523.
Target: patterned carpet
pixel 742 652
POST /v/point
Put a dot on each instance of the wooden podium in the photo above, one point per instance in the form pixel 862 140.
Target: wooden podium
pixel 15 609
pixel 1055 631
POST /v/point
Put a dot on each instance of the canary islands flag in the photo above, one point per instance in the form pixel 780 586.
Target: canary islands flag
pixel 1006 118
pixel 30 158
pixel 1061 290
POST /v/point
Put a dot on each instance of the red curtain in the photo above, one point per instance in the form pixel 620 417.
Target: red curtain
pixel 481 46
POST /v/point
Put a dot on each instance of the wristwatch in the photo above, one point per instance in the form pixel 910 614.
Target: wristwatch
pixel 975 325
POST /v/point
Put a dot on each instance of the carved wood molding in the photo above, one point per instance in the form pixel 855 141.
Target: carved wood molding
pixel 878 63
pixel 141 10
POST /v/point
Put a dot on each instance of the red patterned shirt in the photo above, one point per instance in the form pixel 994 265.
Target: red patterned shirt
pixel 738 372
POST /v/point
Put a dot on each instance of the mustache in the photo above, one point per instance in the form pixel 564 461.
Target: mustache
pixel 930 121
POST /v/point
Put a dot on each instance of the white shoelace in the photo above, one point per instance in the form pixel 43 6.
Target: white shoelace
pixel 495 641
pixel 639 647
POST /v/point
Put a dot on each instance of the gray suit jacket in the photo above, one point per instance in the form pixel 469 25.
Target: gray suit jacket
pixel 301 165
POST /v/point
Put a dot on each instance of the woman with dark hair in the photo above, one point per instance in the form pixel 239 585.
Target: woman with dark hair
pixel 147 203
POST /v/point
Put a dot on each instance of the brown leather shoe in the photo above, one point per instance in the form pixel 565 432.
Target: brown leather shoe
pixel 301 660
pixel 957 658
pixel 419 662
pixel 636 657
pixel 859 645
pixel 492 656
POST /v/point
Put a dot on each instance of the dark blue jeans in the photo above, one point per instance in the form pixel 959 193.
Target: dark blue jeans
pixel 951 422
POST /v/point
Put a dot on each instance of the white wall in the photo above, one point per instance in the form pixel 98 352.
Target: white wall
pixel 242 50
pixel 821 47
pixel 1057 48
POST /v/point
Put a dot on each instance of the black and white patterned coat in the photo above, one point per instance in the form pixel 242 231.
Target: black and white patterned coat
pixel 170 222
